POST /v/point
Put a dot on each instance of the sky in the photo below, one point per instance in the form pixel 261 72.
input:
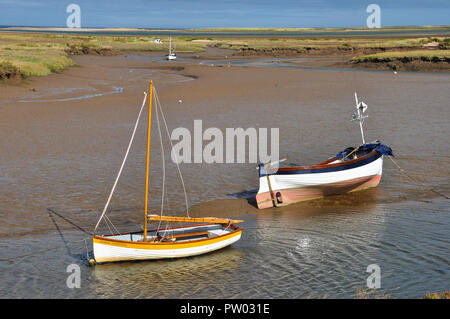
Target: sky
pixel 223 13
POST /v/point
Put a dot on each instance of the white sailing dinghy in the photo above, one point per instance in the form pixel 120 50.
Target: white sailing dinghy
pixel 355 168
pixel 171 55
pixel 194 237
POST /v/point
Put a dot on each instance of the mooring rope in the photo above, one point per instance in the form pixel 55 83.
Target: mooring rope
pixel 415 180
pixel 44 250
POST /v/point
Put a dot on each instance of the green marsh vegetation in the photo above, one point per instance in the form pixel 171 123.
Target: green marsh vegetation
pixel 39 54
pixel 438 295
pixel 24 54
pixel 326 44
pixel 423 55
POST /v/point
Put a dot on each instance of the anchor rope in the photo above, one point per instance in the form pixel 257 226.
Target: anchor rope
pixel 43 250
pixel 415 180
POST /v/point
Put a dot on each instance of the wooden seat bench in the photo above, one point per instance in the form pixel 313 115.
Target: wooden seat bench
pixel 193 234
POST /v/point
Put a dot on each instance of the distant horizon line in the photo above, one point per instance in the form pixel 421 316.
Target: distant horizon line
pixel 224 28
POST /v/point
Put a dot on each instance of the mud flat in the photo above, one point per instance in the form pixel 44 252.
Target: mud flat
pixel 64 138
pixel 414 66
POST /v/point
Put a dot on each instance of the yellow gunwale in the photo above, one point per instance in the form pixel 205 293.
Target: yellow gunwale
pixel 211 220
pixel 164 245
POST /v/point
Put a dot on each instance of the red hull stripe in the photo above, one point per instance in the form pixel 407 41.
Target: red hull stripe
pixel 293 195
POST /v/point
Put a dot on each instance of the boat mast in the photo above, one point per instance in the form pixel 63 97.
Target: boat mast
pixel 362 132
pixel 361 107
pixel 170 46
pixel 148 155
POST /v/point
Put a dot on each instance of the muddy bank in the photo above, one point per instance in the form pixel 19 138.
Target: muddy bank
pixel 398 65
pixel 9 72
pixel 81 49
pixel 12 74
pixel 344 55
pixel 308 51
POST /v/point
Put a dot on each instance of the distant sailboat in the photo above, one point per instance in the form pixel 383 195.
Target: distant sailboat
pixel 171 55
pixel 200 236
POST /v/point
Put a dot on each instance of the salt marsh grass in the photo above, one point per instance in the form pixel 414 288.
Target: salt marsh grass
pixel 424 55
pixel 42 54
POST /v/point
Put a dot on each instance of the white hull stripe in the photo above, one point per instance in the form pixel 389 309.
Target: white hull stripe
pixel 280 182
pixel 105 253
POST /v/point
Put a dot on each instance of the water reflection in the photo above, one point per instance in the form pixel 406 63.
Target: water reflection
pixel 206 275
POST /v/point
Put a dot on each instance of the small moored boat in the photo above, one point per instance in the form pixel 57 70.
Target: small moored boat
pixel 355 168
pixel 171 55
pixel 193 236
pixel 208 235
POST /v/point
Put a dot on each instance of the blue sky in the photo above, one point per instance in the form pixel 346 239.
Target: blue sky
pixel 224 13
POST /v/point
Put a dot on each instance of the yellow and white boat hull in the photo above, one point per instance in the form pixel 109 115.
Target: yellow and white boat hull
pixel 179 242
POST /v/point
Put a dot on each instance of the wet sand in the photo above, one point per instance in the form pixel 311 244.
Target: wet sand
pixel 64 137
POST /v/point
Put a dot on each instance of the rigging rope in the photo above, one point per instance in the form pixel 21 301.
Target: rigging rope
pixel 158 104
pixel 163 162
pixel 159 111
pixel 109 220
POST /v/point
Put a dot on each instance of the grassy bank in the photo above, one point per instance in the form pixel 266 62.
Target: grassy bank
pixel 27 59
pixel 438 295
pixel 24 54
pixel 321 46
pixel 423 55
pixel 419 60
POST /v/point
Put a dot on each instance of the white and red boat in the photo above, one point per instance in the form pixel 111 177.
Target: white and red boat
pixel 353 169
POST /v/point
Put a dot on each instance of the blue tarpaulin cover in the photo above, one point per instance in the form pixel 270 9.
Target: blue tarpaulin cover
pixel 380 148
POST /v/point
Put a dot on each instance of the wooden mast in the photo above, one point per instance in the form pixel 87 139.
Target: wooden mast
pixel 149 124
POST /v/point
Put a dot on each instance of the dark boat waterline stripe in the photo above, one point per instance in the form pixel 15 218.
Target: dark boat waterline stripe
pixel 328 169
